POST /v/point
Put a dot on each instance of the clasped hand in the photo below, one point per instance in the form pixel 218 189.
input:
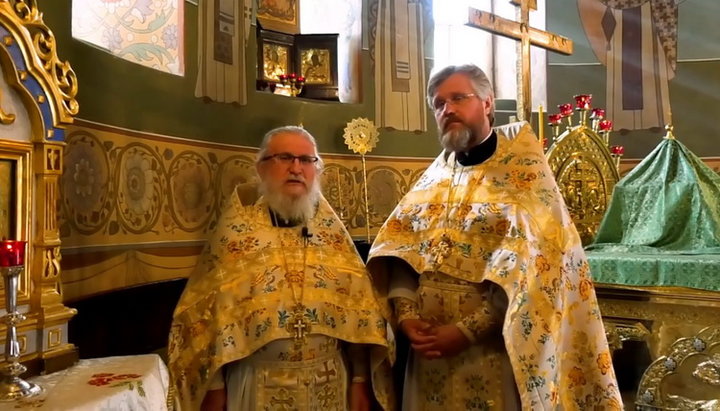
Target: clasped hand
pixel 434 341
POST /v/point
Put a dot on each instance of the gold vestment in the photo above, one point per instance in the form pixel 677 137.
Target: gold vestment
pixel 257 283
pixel 503 221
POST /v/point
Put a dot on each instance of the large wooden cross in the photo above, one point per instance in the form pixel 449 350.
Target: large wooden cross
pixel 521 31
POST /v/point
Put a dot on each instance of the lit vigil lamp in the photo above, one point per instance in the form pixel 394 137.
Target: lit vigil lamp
pixel 566 111
pixel 604 128
pixel 582 106
pixel 554 121
pixel 12 262
pixel 597 115
pixel 293 82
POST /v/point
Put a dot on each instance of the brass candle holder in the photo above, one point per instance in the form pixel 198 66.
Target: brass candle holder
pixel 12 387
pixel 554 121
pixel 566 112
pixel 294 84
pixel 605 127
pixel 582 106
pixel 617 152
pixel 597 115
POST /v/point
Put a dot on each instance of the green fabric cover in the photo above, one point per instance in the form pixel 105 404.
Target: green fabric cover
pixel 650 270
pixel 663 224
pixel 670 203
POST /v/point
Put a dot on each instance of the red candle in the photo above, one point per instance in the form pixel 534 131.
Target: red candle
pixel 598 113
pixel 565 109
pixel 301 79
pixel 605 125
pixel 582 101
pixel 12 253
pixel 292 75
pixel 617 150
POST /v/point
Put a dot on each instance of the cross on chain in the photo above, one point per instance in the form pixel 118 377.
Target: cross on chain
pixel 441 250
pixel 301 327
pixel 521 31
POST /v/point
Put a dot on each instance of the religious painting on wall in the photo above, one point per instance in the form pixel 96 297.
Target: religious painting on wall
pixel 7 197
pixel 315 66
pixel 279 15
pixel 275 60
pixel 310 57
pixel 317 60
pixel 274 55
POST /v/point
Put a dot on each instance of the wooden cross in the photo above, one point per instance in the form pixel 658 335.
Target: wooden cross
pixel 521 31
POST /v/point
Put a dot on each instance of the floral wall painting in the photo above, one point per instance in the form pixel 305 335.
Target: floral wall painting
pixel 146 32
pixel 279 15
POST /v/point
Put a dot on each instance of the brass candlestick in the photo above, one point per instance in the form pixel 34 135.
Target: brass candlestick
pixel 294 84
pixel 12 387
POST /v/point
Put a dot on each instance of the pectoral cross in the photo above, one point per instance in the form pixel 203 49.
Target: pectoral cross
pixel 521 31
pixel 441 250
pixel 300 326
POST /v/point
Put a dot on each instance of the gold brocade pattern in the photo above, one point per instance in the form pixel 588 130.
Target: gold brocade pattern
pixel 319 384
pixel 474 379
pixel 508 225
pixel 239 299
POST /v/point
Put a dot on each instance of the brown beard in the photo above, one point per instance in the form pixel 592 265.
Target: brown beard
pixel 456 140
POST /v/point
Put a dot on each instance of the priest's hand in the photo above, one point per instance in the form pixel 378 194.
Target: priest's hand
pixel 417 332
pixel 359 396
pixel 449 342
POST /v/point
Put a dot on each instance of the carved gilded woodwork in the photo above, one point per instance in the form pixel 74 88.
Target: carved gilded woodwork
pixel 586 175
pixel 41 90
pixel 686 377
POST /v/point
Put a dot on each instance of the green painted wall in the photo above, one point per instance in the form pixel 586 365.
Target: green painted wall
pixel 116 92
pixel 694 92
pixel 119 93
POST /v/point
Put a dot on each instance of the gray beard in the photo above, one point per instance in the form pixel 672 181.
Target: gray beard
pixel 456 140
pixel 298 209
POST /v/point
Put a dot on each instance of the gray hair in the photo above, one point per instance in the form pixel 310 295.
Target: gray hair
pixel 480 81
pixel 288 129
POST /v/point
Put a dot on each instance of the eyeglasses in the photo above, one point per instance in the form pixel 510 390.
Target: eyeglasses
pixel 288 159
pixel 455 99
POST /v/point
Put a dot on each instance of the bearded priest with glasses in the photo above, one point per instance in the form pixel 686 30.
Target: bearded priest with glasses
pixel 280 312
pixel 486 271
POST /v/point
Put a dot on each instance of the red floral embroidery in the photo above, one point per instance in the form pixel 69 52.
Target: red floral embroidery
pixel 107 378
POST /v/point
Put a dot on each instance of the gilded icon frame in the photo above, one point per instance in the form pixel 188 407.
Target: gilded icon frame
pixel 279 15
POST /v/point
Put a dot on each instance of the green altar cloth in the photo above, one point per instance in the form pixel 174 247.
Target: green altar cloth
pixel 662 227
pixel 650 270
